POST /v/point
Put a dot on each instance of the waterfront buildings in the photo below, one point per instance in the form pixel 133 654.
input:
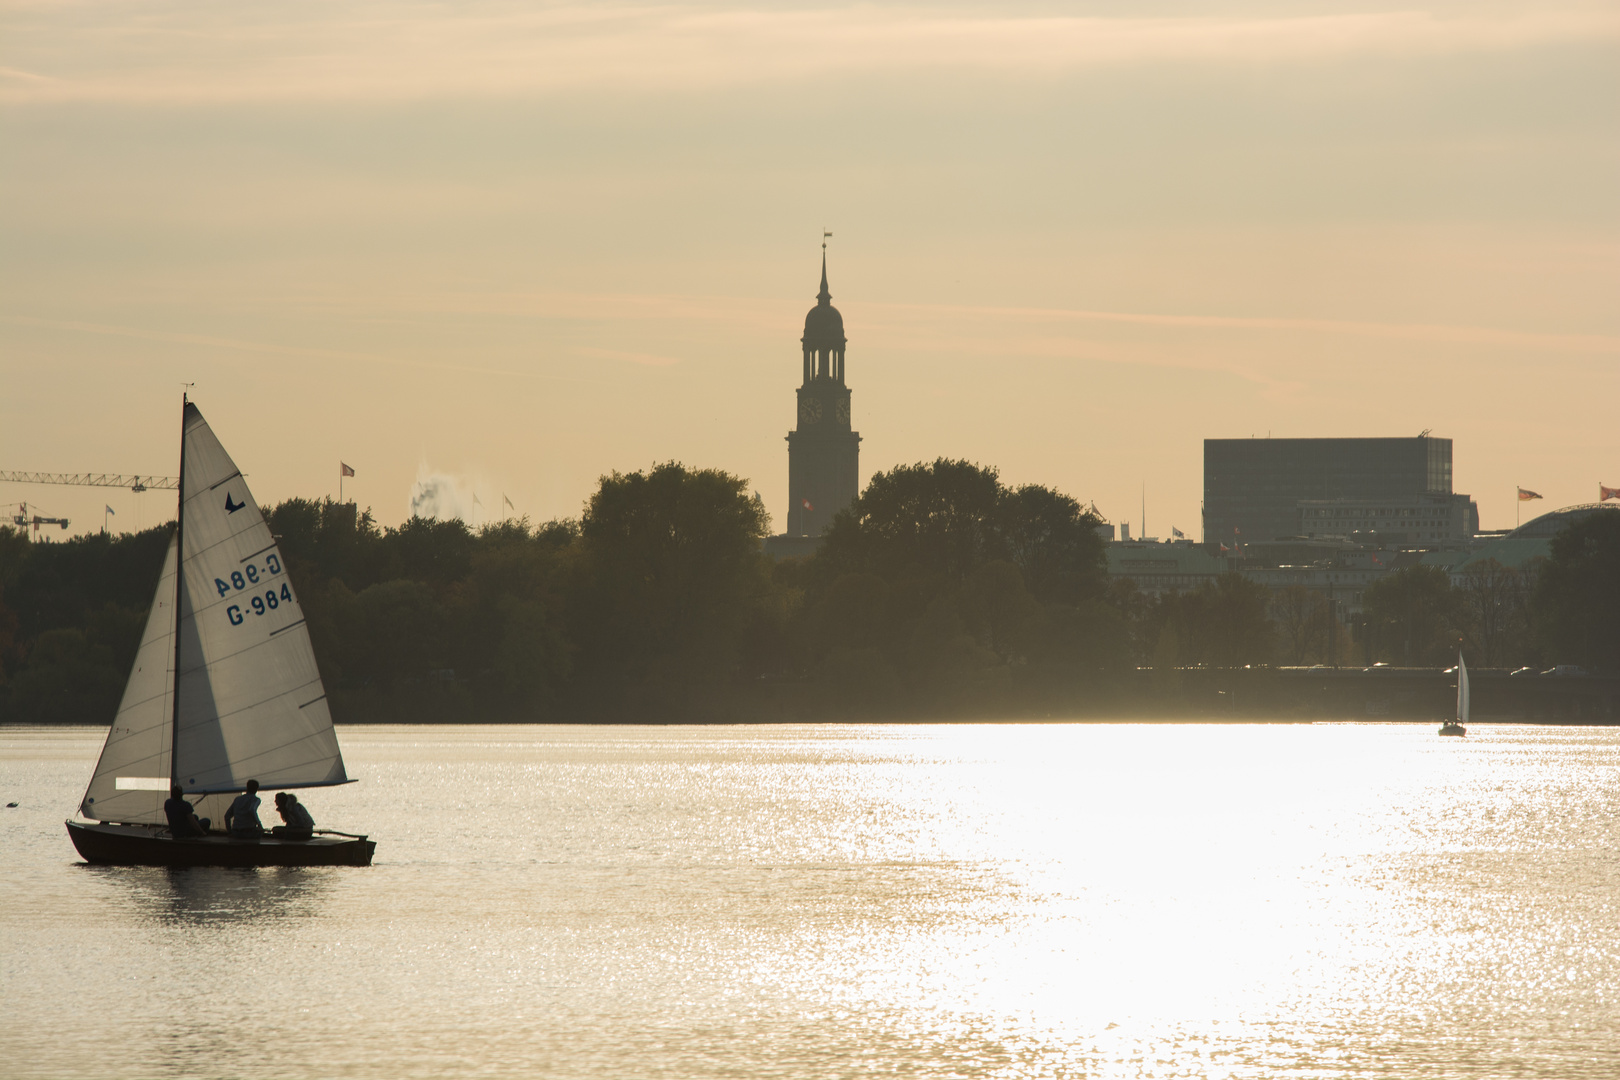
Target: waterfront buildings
pixel 1339 569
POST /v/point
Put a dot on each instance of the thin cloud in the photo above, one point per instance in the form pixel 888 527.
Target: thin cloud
pixel 156 51
pixel 1600 344
pixel 767 314
pixel 644 359
pixel 596 307
pixel 291 351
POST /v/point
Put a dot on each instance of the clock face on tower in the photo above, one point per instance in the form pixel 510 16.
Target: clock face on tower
pixel 843 412
pixel 810 411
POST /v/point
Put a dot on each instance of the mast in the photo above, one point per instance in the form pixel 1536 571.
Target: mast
pixel 179 576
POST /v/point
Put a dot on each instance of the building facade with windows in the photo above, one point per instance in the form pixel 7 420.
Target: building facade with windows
pixel 1254 488
pixel 1415 521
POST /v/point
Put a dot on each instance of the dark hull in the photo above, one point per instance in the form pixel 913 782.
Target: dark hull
pixel 1453 729
pixel 151 845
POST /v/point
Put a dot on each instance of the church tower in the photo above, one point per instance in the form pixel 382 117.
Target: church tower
pixel 823 452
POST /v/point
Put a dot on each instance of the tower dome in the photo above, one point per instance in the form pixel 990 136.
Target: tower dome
pixel 823 325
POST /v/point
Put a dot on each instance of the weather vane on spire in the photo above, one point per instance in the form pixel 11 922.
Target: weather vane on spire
pixel 824 235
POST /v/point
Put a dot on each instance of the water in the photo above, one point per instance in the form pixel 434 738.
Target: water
pixel 825 901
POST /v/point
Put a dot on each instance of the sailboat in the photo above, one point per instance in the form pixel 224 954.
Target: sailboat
pixel 1457 726
pixel 224 690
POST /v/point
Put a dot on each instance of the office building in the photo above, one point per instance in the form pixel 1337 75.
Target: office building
pixel 1258 489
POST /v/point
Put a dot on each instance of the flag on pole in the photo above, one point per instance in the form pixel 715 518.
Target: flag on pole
pixel 113 512
pixel 1525 495
pixel 1607 493
pixel 346 471
pixel 1177 533
pixel 806 503
pixel 508 502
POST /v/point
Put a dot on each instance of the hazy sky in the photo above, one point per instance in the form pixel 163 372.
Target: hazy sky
pixel 519 245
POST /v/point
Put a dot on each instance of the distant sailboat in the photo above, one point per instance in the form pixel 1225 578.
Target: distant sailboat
pixel 224 689
pixel 1457 726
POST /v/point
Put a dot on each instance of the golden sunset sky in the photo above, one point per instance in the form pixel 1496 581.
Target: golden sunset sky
pixel 518 245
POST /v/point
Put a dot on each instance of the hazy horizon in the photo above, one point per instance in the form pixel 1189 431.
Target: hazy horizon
pixel 519 246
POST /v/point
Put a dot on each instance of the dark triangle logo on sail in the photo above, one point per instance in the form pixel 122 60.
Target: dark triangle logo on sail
pixel 229 509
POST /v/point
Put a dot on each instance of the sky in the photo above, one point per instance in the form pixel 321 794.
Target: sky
pixel 499 249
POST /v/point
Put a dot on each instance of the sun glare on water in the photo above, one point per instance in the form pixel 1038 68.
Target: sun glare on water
pixel 996 900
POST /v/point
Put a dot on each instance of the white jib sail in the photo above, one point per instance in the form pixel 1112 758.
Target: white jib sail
pixel 251 701
pixel 1462 690
pixel 132 778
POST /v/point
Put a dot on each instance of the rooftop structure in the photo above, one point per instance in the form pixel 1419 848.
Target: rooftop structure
pixel 1516 550
pixel 1553 522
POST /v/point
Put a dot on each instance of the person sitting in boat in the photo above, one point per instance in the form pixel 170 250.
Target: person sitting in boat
pixel 242 818
pixel 298 824
pixel 183 819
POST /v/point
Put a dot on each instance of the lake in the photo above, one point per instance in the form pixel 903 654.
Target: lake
pixel 1018 900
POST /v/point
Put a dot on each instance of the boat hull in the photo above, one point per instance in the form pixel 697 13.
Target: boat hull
pixel 151 845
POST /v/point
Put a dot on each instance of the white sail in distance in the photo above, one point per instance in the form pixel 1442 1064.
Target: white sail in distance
pixel 251 703
pixel 133 776
pixel 1462 690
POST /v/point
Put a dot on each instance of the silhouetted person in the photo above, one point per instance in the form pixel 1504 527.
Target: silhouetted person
pixel 298 824
pixel 242 819
pixel 183 819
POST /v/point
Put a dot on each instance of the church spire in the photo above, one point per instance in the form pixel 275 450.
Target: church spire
pixel 823 450
pixel 823 335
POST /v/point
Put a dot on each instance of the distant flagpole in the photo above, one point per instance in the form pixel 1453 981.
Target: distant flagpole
pixel 343 470
pixel 1525 495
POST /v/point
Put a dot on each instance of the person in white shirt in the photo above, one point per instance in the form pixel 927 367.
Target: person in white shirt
pixel 242 818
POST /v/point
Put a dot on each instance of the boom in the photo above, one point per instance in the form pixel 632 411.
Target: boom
pixel 117 480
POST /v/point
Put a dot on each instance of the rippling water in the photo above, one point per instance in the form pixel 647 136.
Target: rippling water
pixel 942 901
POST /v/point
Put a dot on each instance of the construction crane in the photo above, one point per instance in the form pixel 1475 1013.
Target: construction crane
pixel 117 480
pixel 22 519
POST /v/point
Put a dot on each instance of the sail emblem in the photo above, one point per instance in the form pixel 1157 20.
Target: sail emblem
pixel 229 509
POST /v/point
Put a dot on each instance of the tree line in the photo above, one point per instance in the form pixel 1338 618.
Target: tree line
pixel 941 591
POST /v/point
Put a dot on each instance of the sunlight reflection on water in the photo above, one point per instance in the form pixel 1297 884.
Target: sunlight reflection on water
pixel 974 900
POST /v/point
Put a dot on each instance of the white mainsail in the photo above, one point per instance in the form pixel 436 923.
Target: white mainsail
pixel 1462 690
pixel 132 778
pixel 251 703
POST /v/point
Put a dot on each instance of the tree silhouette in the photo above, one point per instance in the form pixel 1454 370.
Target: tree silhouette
pixel 1577 599
pixel 1414 615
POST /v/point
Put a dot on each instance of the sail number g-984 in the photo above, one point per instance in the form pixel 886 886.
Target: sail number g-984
pixel 250 577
